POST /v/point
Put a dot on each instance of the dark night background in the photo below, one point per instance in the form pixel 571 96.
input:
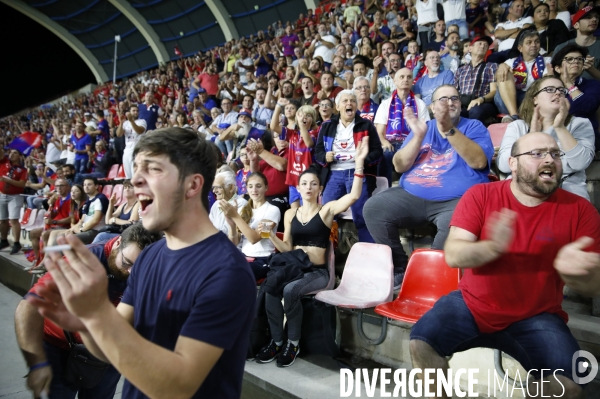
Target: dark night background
pixel 36 65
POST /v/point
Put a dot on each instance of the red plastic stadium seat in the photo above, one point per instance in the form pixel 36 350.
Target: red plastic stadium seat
pixel 118 191
pixel 497 131
pixel 427 279
pixel 112 173
pixel 121 172
pixel 107 190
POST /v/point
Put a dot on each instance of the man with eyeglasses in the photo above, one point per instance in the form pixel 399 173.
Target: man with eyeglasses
pixel 585 22
pixel 44 344
pixel 57 217
pixel 382 87
pixel 518 242
pixel 224 188
pixel 516 75
pixel 440 159
pixel 433 79
pixel 367 108
pixel 390 122
pixel 583 94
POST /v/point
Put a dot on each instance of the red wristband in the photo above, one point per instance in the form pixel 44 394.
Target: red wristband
pixel 358 175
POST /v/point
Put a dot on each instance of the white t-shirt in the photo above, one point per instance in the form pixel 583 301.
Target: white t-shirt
pixel 426 12
pixel 565 16
pixel 52 153
pixel 265 246
pixel 384 110
pixel 529 65
pixel 96 205
pixel 242 71
pixel 70 155
pixel 91 123
pixel 507 44
pixel 322 50
pixel 217 217
pixel 131 137
pixel 454 9
pixel 344 147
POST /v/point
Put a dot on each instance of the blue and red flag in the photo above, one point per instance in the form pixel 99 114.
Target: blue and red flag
pixel 255 134
pixel 26 142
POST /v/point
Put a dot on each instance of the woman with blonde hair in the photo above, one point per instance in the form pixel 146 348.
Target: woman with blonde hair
pixel 545 109
pixel 255 217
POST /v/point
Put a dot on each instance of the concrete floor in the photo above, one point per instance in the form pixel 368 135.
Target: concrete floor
pixel 12 365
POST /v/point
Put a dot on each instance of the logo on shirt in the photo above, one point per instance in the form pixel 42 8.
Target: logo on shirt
pixel 429 166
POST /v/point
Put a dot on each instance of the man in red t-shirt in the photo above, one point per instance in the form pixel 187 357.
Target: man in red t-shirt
pixel 208 80
pixel 13 177
pixel 518 241
pixel 57 216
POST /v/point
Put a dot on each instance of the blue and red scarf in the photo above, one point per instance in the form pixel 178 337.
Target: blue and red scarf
pixel 397 129
pixel 520 71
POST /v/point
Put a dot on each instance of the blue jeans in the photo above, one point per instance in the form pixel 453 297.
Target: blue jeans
pixel 225 146
pixel 60 389
pixel 81 165
pixel 386 167
pixel 339 183
pixel 103 237
pixel 540 342
pixel 79 178
pixel 463 27
pixel 500 103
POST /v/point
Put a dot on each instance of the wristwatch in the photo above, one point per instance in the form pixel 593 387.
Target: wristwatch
pixel 451 132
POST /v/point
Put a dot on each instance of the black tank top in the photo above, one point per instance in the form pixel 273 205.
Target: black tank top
pixel 312 234
pixel 126 216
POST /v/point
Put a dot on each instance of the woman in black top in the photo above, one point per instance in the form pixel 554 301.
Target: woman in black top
pixel 307 228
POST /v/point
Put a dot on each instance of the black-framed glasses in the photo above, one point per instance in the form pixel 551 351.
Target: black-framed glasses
pixel 574 60
pixel 125 263
pixel 445 99
pixel 551 90
pixel 539 154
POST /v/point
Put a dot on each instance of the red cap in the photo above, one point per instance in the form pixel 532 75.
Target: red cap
pixel 479 38
pixel 579 14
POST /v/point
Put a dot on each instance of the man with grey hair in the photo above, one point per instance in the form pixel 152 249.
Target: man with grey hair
pixel 335 151
pixel 516 75
pixel 224 188
pixel 367 108
pixel 440 159
pixel 389 120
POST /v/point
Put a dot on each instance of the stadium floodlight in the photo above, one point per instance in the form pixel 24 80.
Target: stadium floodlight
pixel 117 40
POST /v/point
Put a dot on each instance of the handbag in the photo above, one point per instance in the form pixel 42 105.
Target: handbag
pixel 465 99
pixel 320 334
pixel 83 369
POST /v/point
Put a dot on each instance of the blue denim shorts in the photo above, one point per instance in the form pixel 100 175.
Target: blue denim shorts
pixel 540 342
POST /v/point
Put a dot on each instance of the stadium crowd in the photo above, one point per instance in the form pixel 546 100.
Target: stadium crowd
pixel 308 113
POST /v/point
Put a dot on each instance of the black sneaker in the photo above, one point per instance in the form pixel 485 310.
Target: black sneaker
pixel 398 278
pixel 268 353
pixel 15 249
pixel 288 356
pixel 4 244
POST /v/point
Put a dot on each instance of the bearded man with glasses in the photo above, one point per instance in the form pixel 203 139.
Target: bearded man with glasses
pixel 518 241
pixel 440 159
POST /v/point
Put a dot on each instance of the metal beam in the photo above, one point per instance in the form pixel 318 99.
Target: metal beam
pixel 73 42
pixel 161 53
pixel 311 4
pixel 223 18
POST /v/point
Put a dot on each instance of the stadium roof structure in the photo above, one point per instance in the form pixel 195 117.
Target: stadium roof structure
pixel 150 29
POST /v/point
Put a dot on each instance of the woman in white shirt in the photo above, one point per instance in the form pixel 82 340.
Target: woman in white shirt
pixel 256 217
pixel 426 18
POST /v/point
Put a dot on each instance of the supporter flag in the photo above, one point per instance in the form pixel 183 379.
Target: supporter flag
pixel 178 52
pixel 255 134
pixel 25 142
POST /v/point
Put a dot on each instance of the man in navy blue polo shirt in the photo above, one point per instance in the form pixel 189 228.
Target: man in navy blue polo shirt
pixel 149 111
pixel 183 325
